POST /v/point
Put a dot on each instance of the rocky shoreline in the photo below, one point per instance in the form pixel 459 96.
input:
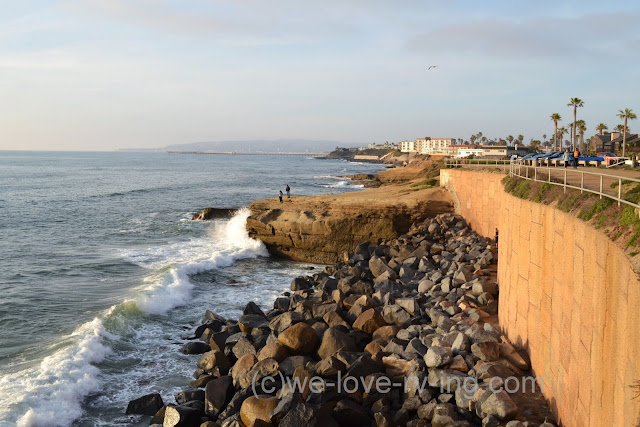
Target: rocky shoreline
pixel 398 333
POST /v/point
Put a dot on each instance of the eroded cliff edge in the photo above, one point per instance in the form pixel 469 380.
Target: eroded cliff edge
pixel 320 229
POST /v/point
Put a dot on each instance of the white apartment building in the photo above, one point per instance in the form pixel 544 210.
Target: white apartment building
pixel 407 146
pixel 434 145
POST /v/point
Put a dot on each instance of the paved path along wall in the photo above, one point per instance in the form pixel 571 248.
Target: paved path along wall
pixel 567 294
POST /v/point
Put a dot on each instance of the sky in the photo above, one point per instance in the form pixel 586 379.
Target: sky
pixel 118 74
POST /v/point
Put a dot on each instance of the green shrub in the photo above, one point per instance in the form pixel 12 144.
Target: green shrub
pixel 522 190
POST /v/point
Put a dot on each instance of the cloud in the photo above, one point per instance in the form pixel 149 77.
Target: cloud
pixel 231 22
pixel 539 38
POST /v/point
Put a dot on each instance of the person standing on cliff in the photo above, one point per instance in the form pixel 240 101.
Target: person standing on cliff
pixel 280 195
pixel 288 189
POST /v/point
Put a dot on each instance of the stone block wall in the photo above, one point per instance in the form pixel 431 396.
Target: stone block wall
pixel 568 295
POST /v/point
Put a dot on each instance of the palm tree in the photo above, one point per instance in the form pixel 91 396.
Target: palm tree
pixel 520 138
pixel 544 137
pixel 601 128
pixel 575 103
pixel 626 114
pixel 581 128
pixel 561 132
pixel 473 139
pixel 556 118
pixel 620 128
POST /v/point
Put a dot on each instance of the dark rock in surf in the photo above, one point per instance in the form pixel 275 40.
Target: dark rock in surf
pixel 213 213
pixel 145 405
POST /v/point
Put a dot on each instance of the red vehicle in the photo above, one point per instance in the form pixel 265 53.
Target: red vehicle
pixel 610 158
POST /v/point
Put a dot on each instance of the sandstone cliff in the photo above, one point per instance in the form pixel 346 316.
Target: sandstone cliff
pixel 320 229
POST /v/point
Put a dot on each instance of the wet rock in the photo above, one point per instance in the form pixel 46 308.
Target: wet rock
pixel 248 322
pixel 252 308
pixel 178 416
pixel 146 405
pixel 189 395
pixel 301 283
pixel 218 394
pixel 195 347
pixel 213 359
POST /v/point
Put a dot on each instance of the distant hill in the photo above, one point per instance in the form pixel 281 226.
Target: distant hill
pixel 263 146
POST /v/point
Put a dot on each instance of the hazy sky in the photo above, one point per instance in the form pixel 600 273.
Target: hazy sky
pixel 107 74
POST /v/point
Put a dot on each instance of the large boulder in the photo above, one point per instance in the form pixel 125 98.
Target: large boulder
pixel 378 267
pixel 195 347
pixel 438 356
pixel 299 339
pixel 369 321
pixel 183 415
pixel 213 359
pixel 213 213
pixel 273 351
pixel 257 408
pixel 498 404
pixel 218 394
pixel 145 405
pixel 333 341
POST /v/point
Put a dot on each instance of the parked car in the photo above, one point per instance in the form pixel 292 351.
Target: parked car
pixel 609 157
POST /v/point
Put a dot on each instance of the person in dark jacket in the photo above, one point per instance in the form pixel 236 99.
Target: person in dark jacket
pixel 287 189
pixel 280 195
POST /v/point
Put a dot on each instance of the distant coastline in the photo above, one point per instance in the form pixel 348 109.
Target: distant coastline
pixel 300 154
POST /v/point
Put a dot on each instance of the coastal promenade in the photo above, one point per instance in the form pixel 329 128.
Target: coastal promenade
pixel 609 182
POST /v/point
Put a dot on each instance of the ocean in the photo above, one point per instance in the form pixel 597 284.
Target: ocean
pixel 104 276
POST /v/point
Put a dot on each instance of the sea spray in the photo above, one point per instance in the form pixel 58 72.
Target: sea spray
pixel 50 394
pixel 227 242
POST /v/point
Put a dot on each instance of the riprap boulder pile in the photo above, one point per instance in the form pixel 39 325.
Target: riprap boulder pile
pixel 399 333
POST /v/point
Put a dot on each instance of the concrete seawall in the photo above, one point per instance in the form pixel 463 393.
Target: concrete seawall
pixel 568 295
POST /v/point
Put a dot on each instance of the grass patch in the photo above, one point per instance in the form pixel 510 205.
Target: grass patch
pixel 633 240
pixel 615 184
pixel 568 203
pixel 598 207
pixel 601 221
pixel 522 190
pixel 425 183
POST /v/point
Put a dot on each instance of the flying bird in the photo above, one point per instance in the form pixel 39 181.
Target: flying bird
pixel 432 66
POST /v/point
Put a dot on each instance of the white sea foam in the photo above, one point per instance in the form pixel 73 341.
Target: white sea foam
pixel 326 177
pixel 50 394
pixel 336 185
pixel 169 286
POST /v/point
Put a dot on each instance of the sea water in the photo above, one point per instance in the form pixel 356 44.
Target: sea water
pixel 103 275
